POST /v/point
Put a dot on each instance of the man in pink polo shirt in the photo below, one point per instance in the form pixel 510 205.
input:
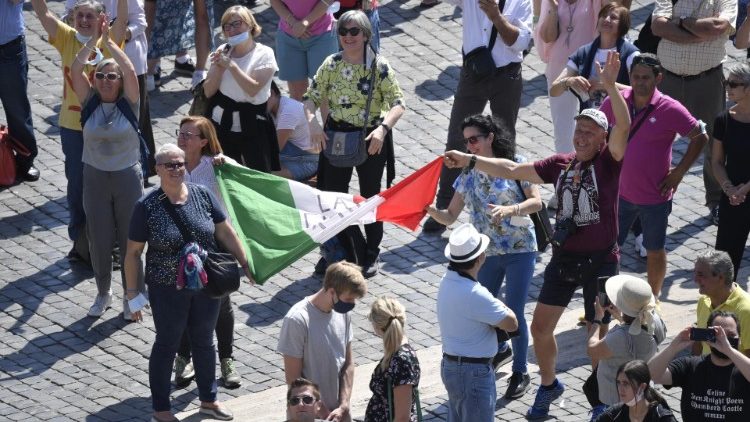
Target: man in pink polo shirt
pixel 647 180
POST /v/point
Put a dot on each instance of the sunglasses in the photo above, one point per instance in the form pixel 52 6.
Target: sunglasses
pixel 307 400
pixel 350 31
pixel 473 139
pixel 111 76
pixel 733 84
pixel 230 25
pixel 184 135
pixel 648 61
pixel 173 165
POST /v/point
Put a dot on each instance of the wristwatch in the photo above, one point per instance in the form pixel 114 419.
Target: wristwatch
pixel 386 127
pixel 681 24
pixel 472 162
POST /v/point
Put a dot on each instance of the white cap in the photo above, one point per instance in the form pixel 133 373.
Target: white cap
pixel 596 115
pixel 465 243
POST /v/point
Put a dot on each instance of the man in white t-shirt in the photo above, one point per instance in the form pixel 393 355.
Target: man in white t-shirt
pixel 316 338
pixel 468 315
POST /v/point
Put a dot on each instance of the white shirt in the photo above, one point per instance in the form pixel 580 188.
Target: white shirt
pixel 478 27
pixel 137 48
pixel 291 115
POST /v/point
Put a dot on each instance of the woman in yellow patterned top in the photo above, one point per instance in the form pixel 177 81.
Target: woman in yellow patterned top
pixel 342 81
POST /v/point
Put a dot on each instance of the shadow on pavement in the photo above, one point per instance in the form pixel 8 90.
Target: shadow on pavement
pixel 265 314
pixel 47 216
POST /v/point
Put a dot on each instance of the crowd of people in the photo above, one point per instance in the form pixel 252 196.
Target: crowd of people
pixel 616 113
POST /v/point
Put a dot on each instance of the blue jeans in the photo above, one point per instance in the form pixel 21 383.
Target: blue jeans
pixel 14 67
pixel 72 147
pixel 471 391
pixel 518 268
pixel 173 311
pixel 375 22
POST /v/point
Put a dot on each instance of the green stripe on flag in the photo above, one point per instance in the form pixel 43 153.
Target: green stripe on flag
pixel 265 218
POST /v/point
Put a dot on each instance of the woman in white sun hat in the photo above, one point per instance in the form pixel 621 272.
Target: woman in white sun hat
pixel 636 337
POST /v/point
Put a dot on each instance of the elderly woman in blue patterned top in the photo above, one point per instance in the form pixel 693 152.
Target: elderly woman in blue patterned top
pixel 341 81
pixel 175 310
pixel 499 209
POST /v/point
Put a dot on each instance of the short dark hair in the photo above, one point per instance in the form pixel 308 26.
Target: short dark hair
pixel 503 141
pixel 299 383
pixel 648 60
pixel 464 266
pixel 275 88
pixel 723 314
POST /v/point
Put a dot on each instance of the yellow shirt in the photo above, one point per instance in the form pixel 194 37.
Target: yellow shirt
pixel 66 43
pixel 737 303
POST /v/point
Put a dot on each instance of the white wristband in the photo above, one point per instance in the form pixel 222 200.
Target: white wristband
pixel 137 303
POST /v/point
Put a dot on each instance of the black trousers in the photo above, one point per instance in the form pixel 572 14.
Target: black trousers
pixel 144 123
pixel 734 227
pixel 224 332
pixel 370 174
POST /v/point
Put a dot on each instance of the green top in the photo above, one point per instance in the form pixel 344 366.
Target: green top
pixel 346 85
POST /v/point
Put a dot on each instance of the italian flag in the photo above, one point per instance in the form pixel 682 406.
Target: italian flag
pixel 280 220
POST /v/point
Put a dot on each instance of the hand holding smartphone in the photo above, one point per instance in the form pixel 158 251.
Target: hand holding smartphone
pixel 703 334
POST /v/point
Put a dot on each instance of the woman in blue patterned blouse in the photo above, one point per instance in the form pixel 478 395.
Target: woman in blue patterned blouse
pixel 499 209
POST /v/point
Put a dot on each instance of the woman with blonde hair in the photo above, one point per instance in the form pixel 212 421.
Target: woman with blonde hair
pixel 239 86
pixel 398 370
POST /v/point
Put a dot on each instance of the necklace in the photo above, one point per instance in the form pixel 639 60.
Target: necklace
pixel 570 26
pixel 108 118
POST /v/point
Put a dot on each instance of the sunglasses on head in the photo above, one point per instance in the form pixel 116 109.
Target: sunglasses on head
pixel 351 31
pixel 733 84
pixel 112 76
pixel 176 165
pixel 474 139
pixel 308 400
pixel 648 61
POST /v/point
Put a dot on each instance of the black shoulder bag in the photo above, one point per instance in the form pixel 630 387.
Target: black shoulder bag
pixel 542 226
pixel 221 267
pixel 479 62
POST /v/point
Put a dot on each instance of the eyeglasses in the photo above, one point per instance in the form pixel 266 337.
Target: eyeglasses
pixel 473 139
pixel 176 165
pixel 110 76
pixel 646 60
pixel 184 135
pixel 307 400
pixel 230 25
pixel 733 84
pixel 350 31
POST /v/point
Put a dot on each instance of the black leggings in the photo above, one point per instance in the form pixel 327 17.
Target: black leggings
pixel 734 226
pixel 224 332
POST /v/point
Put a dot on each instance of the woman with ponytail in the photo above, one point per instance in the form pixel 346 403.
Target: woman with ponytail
pixel 399 368
pixel 638 401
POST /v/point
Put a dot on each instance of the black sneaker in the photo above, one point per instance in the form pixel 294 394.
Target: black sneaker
pixel 501 358
pixel 715 215
pixel 518 384
pixel 321 266
pixel 432 226
pixel 184 69
pixel 372 269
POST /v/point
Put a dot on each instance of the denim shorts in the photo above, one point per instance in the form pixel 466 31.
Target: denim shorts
pixel 300 163
pixel 556 292
pixel 299 59
pixel 654 221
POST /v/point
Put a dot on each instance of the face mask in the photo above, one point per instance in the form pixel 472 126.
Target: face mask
pixel 638 397
pixel 342 307
pixel 733 341
pixel 334 7
pixel 238 39
pixel 99 57
pixel 82 38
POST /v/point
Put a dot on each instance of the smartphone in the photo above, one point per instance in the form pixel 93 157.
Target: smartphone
pixel 703 334
pixel 602 292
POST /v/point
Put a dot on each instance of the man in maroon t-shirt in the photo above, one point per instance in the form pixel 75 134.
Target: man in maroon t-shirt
pixel 586 183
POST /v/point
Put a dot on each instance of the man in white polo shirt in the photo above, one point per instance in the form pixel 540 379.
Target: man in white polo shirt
pixel 468 315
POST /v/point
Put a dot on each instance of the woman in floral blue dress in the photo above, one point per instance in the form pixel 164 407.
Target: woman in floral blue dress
pixel 498 209
pixel 399 364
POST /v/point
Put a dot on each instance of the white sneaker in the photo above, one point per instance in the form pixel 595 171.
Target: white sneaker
pixel 639 249
pixel 198 77
pixel 101 304
pixel 126 314
pixel 150 83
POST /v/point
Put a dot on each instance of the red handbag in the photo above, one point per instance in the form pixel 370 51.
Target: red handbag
pixel 9 147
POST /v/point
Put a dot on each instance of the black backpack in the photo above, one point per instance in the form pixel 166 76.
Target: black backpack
pixel 647 42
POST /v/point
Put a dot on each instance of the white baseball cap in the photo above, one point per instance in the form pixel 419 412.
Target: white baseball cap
pixel 596 115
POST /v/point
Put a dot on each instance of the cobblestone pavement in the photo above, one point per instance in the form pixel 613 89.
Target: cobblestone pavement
pixel 58 364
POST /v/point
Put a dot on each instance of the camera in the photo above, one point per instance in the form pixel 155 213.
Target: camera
pixel 602 292
pixel 702 334
pixel 564 228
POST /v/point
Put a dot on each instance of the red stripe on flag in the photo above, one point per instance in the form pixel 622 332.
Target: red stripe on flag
pixel 405 202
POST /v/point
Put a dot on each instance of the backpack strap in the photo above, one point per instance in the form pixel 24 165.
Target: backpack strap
pixel 89 107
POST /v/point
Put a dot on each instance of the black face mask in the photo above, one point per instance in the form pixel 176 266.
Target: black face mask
pixel 733 341
pixel 342 307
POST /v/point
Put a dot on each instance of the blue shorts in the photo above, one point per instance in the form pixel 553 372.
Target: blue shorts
pixel 654 221
pixel 299 59
pixel 300 163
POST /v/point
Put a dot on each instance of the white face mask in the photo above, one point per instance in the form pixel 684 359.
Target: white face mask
pixel 334 7
pixel 238 39
pixel 82 38
pixel 638 397
pixel 99 57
